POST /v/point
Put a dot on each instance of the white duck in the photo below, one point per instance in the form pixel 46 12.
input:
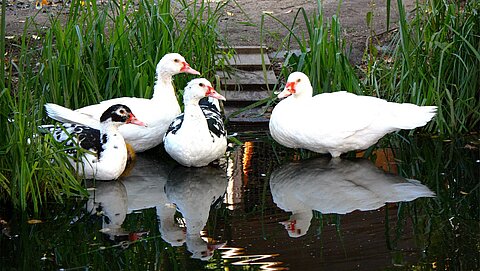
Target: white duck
pixel 157 112
pixel 338 122
pixel 336 186
pixel 197 137
pixel 106 153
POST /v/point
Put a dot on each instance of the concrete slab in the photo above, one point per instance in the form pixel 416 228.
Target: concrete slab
pixel 255 115
pixel 247 80
pixel 245 96
pixel 249 61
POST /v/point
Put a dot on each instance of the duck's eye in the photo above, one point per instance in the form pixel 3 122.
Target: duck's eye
pixel 176 60
pixel 201 84
pixel 122 111
pixel 298 80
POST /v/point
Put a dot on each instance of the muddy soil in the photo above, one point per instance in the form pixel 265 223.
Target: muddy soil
pixel 241 25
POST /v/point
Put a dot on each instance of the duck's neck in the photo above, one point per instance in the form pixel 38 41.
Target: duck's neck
pixel 108 128
pixel 306 94
pixel 110 136
pixel 163 89
pixel 193 113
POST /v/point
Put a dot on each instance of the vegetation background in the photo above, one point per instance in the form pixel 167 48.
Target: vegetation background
pixel 425 52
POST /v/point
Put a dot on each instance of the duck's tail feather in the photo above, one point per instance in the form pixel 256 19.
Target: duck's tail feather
pixel 410 190
pixel 66 115
pixel 409 116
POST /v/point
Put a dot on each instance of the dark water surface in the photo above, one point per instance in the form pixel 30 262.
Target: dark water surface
pixel 266 207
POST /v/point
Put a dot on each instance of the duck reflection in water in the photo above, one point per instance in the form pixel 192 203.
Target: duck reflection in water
pixel 143 188
pixel 109 199
pixel 194 191
pixel 146 189
pixel 337 186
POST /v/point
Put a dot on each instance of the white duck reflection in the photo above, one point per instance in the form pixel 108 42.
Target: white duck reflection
pixel 110 200
pixel 337 186
pixel 194 191
pixel 145 187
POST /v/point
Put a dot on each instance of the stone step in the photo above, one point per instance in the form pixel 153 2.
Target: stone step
pixel 254 115
pixel 249 62
pixel 247 83
pixel 248 97
pixel 245 49
pixel 248 57
pixel 247 80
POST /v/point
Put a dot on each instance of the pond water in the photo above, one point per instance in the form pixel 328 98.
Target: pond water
pixel 411 204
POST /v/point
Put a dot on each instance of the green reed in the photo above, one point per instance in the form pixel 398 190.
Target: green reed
pixel 322 52
pixel 112 51
pixel 33 168
pixel 435 61
pixel 98 52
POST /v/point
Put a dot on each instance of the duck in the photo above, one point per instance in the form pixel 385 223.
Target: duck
pixel 157 112
pixel 337 186
pixel 105 152
pixel 197 137
pixel 338 122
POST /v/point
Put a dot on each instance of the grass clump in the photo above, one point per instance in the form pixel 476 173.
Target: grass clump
pixel 321 54
pixel 435 61
pixel 32 169
pixel 99 52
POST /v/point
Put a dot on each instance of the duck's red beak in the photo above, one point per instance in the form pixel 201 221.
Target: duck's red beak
pixel 187 69
pixel 133 120
pixel 212 93
pixel 289 90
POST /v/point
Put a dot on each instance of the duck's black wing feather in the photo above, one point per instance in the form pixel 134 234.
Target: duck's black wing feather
pixel 175 125
pixel 214 117
pixel 72 135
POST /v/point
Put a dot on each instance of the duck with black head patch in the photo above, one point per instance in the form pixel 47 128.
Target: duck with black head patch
pixel 105 153
pixel 197 137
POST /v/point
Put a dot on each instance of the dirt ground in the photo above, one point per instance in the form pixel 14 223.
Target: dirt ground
pixel 232 24
pixel 352 19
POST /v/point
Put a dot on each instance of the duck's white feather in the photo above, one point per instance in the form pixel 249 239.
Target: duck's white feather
pixel 106 154
pixel 63 114
pixel 339 122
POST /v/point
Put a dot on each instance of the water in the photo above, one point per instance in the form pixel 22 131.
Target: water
pixel 266 207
